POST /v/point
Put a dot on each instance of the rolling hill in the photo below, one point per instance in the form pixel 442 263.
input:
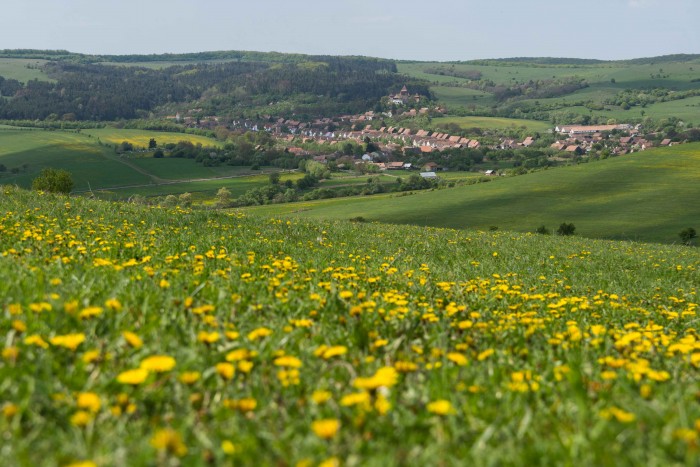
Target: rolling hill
pixel 648 196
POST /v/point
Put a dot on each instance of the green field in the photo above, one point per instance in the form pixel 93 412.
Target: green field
pixel 648 196
pixel 144 336
pixel 110 175
pixel 604 81
pixel 17 68
pixel 492 123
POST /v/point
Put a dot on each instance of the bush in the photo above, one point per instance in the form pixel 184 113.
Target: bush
pixel 688 235
pixel 542 230
pixel 566 229
pixel 53 181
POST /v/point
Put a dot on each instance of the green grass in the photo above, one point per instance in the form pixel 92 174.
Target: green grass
pixel 487 348
pixel 16 68
pixel 647 196
pixel 92 166
pixel 492 123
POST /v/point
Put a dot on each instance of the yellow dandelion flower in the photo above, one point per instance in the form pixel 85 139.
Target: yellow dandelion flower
pixel 190 377
pixel 356 398
pixel 245 366
pixel 208 337
pixel 441 407
pixel 457 358
pixel 69 341
pixel 164 284
pixel 133 377
pixel 228 447
pixel 170 441
pixel 334 351
pixel 321 397
pixel 9 410
pixel 89 401
pixel 80 418
pixel 82 464
pixel 238 354
pixel 35 339
pixel 386 376
pixel 113 304
pixel 132 339
pixel 258 333
pixel 90 312
pixel 90 356
pixel 10 353
pixel 19 326
pixel 225 370
pixel 326 428
pixel 345 294
pixel 330 462
pixel 158 363
pixel 288 361
pixel 485 354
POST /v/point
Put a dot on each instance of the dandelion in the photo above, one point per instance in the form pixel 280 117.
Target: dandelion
pixel 190 377
pixel 80 418
pixel 133 377
pixel 384 377
pixel 158 363
pixel 132 339
pixel 228 447
pixel 69 341
pixel 113 304
pixel 440 407
pixel 457 358
pixel 321 397
pixel 258 333
pixel 169 440
pixel 326 428
pixel 225 370
pixel 288 361
pixel 89 401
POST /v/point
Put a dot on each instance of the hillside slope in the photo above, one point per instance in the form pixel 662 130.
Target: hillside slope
pixel 648 196
pixel 151 336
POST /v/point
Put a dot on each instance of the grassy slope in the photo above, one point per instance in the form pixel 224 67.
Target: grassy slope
pixel 16 68
pixel 599 77
pixel 492 122
pixel 512 331
pixel 98 166
pixel 649 196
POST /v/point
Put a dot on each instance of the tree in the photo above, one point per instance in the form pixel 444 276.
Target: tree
pixel 566 229
pixel 53 181
pixel 542 230
pixel 274 178
pixel 223 197
pixel 158 154
pixel 185 199
pixel 688 235
pixel 152 143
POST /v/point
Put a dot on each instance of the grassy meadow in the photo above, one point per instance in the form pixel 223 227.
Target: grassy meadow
pixel 604 81
pixel 492 123
pixel 23 70
pixel 90 157
pixel 647 196
pixel 146 336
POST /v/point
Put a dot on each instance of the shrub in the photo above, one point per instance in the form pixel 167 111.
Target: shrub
pixel 566 229
pixel 688 235
pixel 53 181
pixel 543 230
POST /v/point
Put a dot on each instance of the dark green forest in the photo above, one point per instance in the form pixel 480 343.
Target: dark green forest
pixel 317 85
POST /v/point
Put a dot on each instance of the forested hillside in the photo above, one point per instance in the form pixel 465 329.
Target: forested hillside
pixel 85 91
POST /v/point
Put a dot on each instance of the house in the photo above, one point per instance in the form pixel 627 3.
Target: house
pixel 426 149
pixel 490 173
pixel 430 175
pixel 666 142
pixel 430 167
pixel 528 141
pixel 394 165
pixel 474 144
pixel 558 146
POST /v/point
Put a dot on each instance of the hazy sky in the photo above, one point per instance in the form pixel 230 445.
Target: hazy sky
pixel 406 29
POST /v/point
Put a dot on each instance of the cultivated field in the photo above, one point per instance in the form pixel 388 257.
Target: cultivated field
pixel 142 336
pixel 648 196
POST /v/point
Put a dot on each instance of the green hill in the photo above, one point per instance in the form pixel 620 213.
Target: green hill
pixel 167 336
pixel 648 196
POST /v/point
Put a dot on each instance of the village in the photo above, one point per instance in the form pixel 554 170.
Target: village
pixel 396 146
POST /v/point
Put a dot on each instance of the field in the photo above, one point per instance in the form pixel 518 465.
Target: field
pixel 144 336
pixel 95 166
pixel 493 123
pixel 16 68
pixel 604 81
pixel 647 196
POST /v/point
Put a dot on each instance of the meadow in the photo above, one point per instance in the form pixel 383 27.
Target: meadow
pixel 492 123
pixel 146 336
pixel 647 196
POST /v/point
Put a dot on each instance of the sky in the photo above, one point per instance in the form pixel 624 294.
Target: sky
pixel 429 30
